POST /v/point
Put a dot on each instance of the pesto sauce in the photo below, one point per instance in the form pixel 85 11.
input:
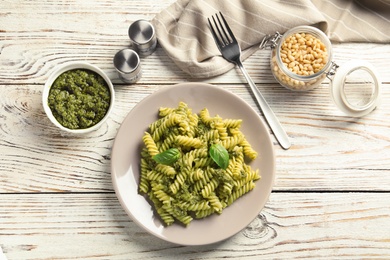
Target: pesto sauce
pixel 79 98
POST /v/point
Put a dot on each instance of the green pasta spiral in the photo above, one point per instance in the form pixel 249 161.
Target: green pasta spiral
pixel 194 186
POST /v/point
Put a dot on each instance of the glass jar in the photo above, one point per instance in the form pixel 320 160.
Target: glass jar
pixel 301 59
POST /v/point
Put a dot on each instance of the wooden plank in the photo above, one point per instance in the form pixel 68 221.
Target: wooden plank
pixel 95 31
pixel 30 61
pixel 329 152
pixel 292 225
pixel 78 216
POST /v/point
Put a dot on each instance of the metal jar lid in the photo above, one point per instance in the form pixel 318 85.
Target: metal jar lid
pixel 356 88
pixel 143 36
pixel 127 63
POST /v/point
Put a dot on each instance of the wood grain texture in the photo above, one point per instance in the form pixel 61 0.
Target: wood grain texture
pixel 27 61
pixel 34 38
pixel 291 226
pixel 331 197
pixel 330 151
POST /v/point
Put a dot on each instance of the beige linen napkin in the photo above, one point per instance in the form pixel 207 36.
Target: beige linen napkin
pixel 183 32
pixel 356 20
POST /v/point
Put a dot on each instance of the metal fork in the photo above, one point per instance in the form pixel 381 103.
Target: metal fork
pixel 230 49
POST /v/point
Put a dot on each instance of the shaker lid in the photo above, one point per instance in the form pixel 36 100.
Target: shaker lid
pixel 355 88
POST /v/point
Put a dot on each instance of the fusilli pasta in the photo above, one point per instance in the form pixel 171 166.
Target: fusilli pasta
pixel 194 186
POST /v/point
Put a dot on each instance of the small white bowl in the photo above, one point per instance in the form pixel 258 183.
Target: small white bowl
pixel 53 77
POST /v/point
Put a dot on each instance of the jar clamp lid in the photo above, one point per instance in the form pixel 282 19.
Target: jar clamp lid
pixel 355 88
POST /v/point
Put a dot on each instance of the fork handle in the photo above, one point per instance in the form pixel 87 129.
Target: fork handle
pixel 269 115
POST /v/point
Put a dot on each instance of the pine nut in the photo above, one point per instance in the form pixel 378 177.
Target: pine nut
pixel 303 54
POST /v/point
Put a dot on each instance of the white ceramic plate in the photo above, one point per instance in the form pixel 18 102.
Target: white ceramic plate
pixel 125 162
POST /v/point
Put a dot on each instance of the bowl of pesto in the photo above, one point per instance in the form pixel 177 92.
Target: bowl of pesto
pixel 78 97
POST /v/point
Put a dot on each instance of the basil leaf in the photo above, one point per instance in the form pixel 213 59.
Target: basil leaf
pixel 220 155
pixel 167 157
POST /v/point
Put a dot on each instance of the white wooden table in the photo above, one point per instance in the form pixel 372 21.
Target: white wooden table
pixel 331 197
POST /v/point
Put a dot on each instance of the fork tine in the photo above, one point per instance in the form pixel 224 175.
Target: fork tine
pixel 221 37
pixel 214 34
pixel 231 34
pixel 221 29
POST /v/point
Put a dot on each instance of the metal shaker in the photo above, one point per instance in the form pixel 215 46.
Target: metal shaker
pixel 128 65
pixel 143 36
